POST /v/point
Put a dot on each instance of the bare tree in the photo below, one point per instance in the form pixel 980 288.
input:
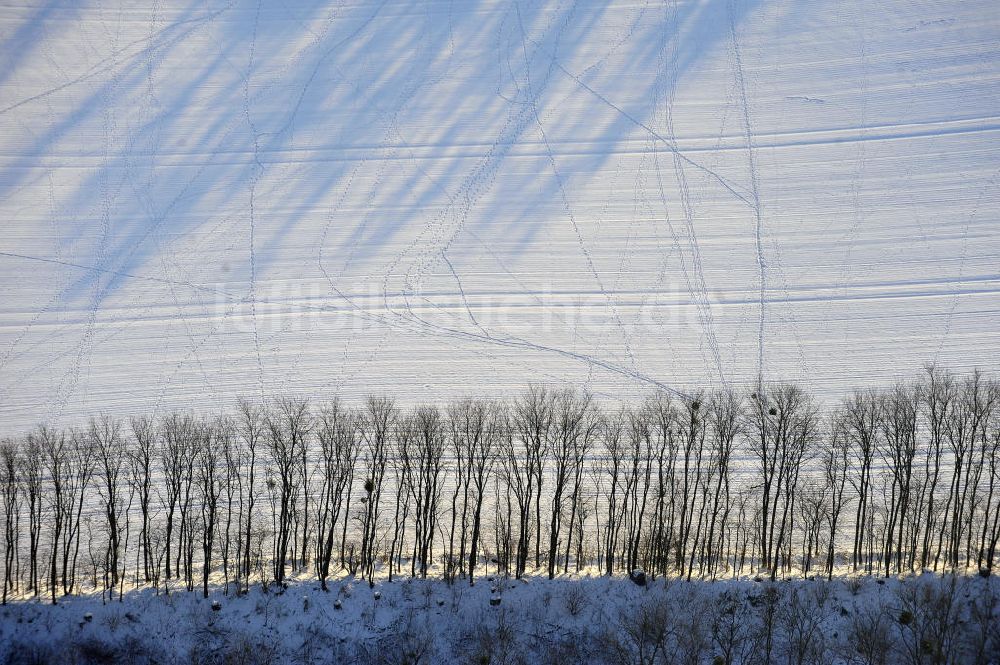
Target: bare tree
pixel 572 425
pixel 337 435
pixel 691 428
pixel 251 427
pixel 637 482
pixel 428 453
pixel 288 424
pixel 987 406
pixel 613 459
pixel 466 419
pixel 836 461
pixel 406 435
pixel 661 412
pixel 57 461
pixel 31 480
pixel 813 508
pixel 861 421
pixel 724 424
pixel 532 417
pixel 10 466
pixel 899 448
pixel 964 425
pixel 232 486
pixel 141 457
pixel 470 422
pixel 109 446
pixel 83 465
pixel 482 458
pixel 177 438
pixel 581 450
pixel 991 522
pixel 210 475
pixel 938 392
pixel 783 421
pixel 376 424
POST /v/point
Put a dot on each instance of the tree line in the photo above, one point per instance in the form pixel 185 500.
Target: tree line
pixel 716 483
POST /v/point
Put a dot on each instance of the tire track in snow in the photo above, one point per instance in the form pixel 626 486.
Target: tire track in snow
pixel 166 255
pixel 256 152
pixel 699 291
pixel 433 180
pixel 288 125
pixel 71 379
pixel 475 185
pixel 110 62
pixel 728 186
pixel 103 258
pixel 255 176
pixel 989 186
pixel 461 290
pixel 460 204
pixel 659 93
pixel 533 102
pixel 8 354
pixel 410 90
pixel 754 188
pixel 860 160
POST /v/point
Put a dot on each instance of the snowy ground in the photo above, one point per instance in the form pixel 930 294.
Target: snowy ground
pixel 207 199
pixel 569 620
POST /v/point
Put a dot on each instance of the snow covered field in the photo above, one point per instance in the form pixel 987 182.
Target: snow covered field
pixel 206 199
pixel 926 619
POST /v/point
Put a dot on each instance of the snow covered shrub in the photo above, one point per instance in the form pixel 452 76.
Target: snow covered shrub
pixel 353 561
pixel 984 624
pixel 800 621
pixel 869 640
pixel 767 605
pixel 318 646
pixel 113 620
pixel 135 650
pixel 409 642
pixel 95 651
pixel 693 640
pixel 243 649
pixel 457 595
pixel 642 632
pixel 934 635
pixel 23 652
pixel 821 591
pixel 558 650
pixel 488 638
pixel 574 598
pixel 731 630
pixel 426 592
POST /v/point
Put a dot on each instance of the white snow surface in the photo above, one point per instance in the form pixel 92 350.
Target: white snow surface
pixel 202 200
